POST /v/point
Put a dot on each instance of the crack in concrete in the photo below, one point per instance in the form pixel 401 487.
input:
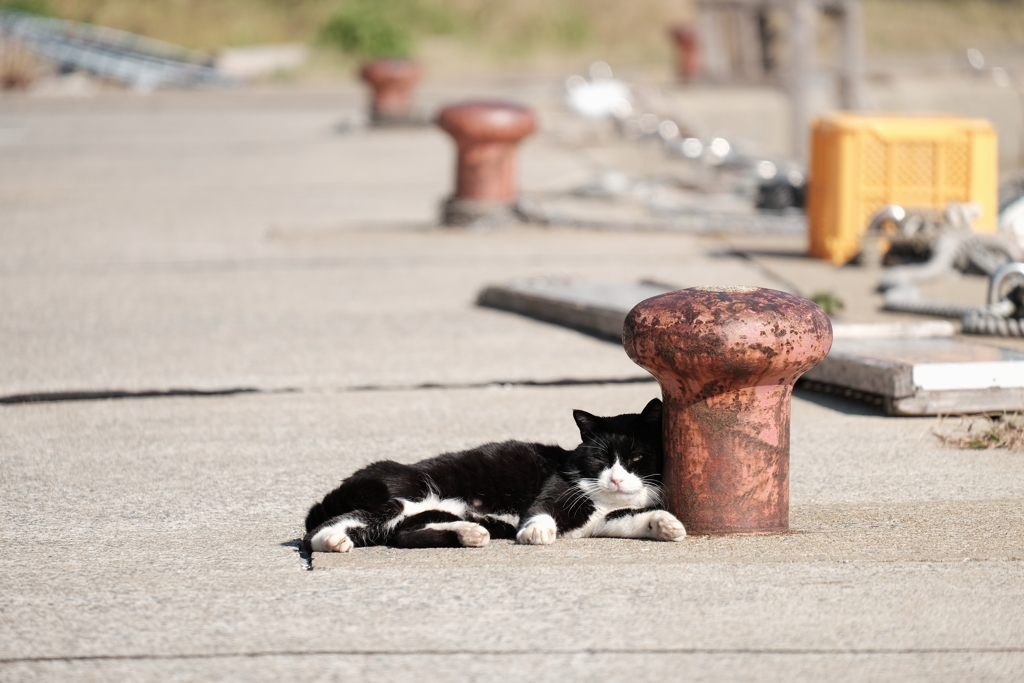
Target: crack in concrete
pixel 567 382
pixel 106 394
pixel 518 653
pixel 110 394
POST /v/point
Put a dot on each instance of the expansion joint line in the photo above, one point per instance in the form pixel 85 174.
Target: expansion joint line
pixel 523 653
pixel 104 395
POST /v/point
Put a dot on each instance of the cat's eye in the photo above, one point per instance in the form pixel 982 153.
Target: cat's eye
pixel 635 460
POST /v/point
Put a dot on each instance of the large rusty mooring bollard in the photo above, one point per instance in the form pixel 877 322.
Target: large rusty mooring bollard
pixel 391 81
pixel 726 359
pixel 486 135
pixel 687 52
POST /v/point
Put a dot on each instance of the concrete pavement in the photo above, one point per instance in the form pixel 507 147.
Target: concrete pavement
pixel 218 241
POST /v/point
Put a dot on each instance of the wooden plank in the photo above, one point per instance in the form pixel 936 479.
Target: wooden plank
pixel 995 400
pixel 598 309
pixel 870 375
pixel 927 376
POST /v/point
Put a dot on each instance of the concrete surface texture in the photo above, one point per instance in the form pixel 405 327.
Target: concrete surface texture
pixel 213 241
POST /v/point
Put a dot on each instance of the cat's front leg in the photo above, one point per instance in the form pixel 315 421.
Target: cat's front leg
pixel 664 526
pixel 660 525
pixel 538 530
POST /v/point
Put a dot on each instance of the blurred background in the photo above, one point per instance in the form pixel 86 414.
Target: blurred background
pixel 527 34
pixel 539 35
pixel 961 57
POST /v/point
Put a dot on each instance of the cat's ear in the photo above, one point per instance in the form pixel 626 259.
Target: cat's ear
pixel 652 411
pixel 587 423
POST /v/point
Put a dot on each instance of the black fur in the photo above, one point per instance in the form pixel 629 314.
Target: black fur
pixel 508 478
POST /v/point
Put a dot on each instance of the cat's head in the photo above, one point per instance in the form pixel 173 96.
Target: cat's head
pixel 620 460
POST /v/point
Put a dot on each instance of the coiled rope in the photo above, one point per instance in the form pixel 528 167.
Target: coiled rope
pixel 989 324
pixel 999 318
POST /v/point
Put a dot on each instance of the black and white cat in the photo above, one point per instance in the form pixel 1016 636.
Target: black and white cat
pixel 608 486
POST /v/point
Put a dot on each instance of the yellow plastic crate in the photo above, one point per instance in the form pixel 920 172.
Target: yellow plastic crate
pixel 860 163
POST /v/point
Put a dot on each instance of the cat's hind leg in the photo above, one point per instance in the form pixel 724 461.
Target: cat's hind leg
pixel 661 525
pixel 439 529
pixel 337 535
pixel 500 526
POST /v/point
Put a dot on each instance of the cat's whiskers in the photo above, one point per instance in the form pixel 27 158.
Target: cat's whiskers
pixel 652 486
pixel 580 494
pixel 570 492
pixel 591 491
pixel 653 480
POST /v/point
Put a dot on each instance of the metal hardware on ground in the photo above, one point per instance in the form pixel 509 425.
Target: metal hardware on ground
pixel 392 82
pixel 485 135
pixel 946 238
pixel 1001 317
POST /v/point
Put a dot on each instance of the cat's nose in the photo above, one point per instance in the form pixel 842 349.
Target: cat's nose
pixel 617 481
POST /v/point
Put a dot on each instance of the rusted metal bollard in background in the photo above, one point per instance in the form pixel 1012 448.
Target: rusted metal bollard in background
pixel 726 359
pixel 687 44
pixel 392 81
pixel 486 135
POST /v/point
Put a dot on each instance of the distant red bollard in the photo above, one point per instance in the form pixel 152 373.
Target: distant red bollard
pixel 726 359
pixel 391 81
pixel 486 135
pixel 687 53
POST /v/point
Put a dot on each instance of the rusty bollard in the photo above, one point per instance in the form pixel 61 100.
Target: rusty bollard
pixel 486 135
pixel 726 359
pixel 688 62
pixel 391 81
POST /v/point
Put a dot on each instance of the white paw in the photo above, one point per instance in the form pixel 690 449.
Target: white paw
pixel 540 530
pixel 338 543
pixel 473 535
pixel 665 527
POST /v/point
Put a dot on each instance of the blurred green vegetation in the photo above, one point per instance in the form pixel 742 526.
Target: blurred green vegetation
pixel 371 28
pixel 364 29
pixel 829 302
pixel 31 6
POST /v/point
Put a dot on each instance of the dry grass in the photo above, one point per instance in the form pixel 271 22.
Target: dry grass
pixel 938 25
pixel 503 28
pixel 982 432
pixel 204 24
pixel 525 32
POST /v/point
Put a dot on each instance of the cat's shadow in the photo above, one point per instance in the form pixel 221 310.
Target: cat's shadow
pixel 296 543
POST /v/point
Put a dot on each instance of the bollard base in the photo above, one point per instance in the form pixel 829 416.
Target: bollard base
pixel 479 213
